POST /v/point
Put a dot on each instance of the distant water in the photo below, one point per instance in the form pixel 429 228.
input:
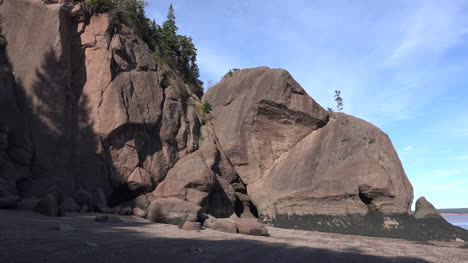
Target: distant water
pixel 461 221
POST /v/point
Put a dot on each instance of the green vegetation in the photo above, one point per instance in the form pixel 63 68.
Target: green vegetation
pixel 206 108
pixel 339 101
pixel 230 72
pixel 345 139
pixel 102 6
pixel 171 49
pixel 370 140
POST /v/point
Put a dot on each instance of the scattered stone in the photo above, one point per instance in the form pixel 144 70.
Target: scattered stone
pixel 65 228
pixel 223 225
pixel 207 220
pixel 459 240
pixel 126 211
pixel 142 201
pixel 139 212
pixel 250 227
pixel 171 210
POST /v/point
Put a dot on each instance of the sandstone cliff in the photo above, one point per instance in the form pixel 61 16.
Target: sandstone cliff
pixel 89 120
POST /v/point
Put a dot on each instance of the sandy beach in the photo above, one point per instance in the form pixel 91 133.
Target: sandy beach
pixel 452 214
pixel 29 237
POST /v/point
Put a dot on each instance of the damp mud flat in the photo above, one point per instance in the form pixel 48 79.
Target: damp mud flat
pixel 29 237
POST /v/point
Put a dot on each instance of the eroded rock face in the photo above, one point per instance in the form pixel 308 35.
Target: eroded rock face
pixel 297 161
pixel 346 167
pixel 88 105
pixel 259 114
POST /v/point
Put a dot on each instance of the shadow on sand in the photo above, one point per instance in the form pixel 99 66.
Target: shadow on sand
pixel 34 238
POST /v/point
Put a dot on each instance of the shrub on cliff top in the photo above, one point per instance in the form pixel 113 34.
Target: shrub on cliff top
pixel 102 6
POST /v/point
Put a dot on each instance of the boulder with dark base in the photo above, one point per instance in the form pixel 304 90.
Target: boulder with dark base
pixel 171 210
pixel 125 211
pixel 424 209
pixel 249 226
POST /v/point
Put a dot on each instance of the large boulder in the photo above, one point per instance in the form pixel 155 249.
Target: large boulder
pixel 347 167
pixel 259 114
pixel 192 180
pixel 249 226
pixel 295 159
pixel 140 182
pixel 171 210
pixel 424 209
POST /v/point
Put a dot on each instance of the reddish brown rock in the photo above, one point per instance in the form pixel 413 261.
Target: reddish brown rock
pixel 93 98
pixel 424 209
pixel 171 210
pixel 223 225
pixel 140 182
pixel 250 226
pixel 139 212
pixel 295 160
pixel 343 168
pixel 191 226
pixel 259 114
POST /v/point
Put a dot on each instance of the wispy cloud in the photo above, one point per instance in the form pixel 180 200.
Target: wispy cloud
pixel 433 28
pixel 408 148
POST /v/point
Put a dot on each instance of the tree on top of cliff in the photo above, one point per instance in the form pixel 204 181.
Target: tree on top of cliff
pixel 178 51
pixel 169 32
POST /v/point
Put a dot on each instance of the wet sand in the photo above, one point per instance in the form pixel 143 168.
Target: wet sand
pixel 29 237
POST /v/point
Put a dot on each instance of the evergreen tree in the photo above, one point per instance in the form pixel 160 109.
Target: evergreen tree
pixel 169 38
pixel 339 101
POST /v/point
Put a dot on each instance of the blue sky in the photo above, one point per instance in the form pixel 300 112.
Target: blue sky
pixel 401 65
